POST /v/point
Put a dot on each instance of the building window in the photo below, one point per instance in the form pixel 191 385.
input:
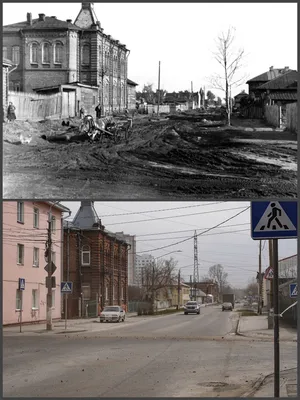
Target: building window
pixel 34 53
pixel 16 54
pixel 34 301
pixel 122 293
pixel 85 255
pixel 53 224
pixel 86 291
pixel 20 212
pixel 18 299
pixel 17 86
pixel 106 293
pixel 36 217
pixel 53 298
pixel 46 53
pixel 115 292
pixel 5 52
pixel 58 53
pixel 85 55
pixel 20 254
pixel 36 257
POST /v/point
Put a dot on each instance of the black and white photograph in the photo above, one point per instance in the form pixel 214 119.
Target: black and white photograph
pixel 149 101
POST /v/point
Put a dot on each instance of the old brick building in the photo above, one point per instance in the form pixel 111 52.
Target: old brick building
pixel 51 52
pixel 95 260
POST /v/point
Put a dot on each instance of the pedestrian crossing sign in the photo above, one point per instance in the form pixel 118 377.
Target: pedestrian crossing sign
pixel 274 219
pixel 66 287
pixel 293 290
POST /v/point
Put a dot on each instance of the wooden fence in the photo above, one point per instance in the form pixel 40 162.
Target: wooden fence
pixel 35 106
pixel 292 117
pixel 272 115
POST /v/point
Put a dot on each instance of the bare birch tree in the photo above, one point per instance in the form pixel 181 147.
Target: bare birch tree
pixel 231 62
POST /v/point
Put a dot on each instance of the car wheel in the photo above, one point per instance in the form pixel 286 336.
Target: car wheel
pixel 119 319
pixel 198 312
pixel 185 313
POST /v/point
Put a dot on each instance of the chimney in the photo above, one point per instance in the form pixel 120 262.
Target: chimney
pixel 286 69
pixel 41 17
pixel 69 20
pixel 29 18
pixel 53 17
pixel 271 68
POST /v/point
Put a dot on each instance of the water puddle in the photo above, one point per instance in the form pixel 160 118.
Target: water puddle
pixel 288 164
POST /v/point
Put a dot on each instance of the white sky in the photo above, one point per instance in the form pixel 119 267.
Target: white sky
pixel 236 251
pixel 181 36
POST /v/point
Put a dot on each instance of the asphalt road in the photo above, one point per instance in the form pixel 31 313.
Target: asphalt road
pixel 167 356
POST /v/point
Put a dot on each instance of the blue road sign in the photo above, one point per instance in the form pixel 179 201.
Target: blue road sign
pixel 66 287
pixel 293 290
pixel 273 219
pixel 21 283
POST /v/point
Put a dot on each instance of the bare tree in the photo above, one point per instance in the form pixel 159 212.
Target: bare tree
pixel 231 62
pixel 217 273
pixel 158 276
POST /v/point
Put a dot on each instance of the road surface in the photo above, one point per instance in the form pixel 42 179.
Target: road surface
pixel 175 355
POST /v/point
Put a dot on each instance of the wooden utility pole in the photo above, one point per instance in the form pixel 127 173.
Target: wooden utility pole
pixel 178 291
pixel 259 282
pixel 158 89
pixel 49 260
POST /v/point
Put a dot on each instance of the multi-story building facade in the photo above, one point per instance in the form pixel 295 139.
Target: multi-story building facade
pixel 130 239
pixel 25 228
pixel 96 261
pixel 142 262
pixel 50 52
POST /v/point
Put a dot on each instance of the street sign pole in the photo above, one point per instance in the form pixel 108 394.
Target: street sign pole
pixel 21 310
pixel 66 311
pixel 276 321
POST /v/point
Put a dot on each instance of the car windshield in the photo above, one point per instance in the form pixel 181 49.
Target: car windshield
pixel 111 309
pixel 227 304
pixel 191 303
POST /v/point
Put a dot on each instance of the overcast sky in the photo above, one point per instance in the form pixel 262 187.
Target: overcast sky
pixel 181 36
pixel 236 251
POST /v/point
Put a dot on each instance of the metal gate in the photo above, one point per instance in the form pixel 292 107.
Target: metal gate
pixel 90 309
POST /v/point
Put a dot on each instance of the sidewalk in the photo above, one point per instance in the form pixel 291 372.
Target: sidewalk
pixel 265 386
pixel 257 327
pixel 73 326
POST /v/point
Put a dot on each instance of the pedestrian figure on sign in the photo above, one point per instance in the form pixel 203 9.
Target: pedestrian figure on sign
pixel 11 115
pixel 82 112
pixel 276 212
pixel 98 110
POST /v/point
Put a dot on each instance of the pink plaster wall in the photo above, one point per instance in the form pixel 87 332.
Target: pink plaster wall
pixel 14 233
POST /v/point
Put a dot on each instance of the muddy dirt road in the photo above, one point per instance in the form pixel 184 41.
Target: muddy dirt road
pixel 162 160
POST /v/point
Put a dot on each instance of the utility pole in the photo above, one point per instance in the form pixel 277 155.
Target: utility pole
pixel 158 89
pixel 49 260
pixel 153 282
pixel 196 266
pixel 178 290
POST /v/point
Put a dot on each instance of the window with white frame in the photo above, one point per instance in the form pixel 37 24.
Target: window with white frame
pixel 20 212
pixel 34 299
pixel 36 257
pixel 53 298
pixel 20 254
pixel 53 224
pixel 86 291
pixel 34 53
pixel 18 299
pixel 58 53
pixel 46 53
pixel 16 55
pixel 36 217
pixel 106 292
pixel 86 255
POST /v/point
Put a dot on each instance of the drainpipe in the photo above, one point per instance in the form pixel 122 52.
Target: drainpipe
pixel 126 91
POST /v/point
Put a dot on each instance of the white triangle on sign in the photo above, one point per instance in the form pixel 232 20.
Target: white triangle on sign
pixel 274 219
pixel 295 291
pixel 66 288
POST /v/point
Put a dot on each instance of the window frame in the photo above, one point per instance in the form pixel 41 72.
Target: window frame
pixel 106 293
pixel 46 45
pixel 83 252
pixel 56 46
pixel 20 213
pixel 38 257
pixel 36 46
pixel 36 214
pixel 53 224
pixel 20 246
pixel 15 60
pixel 5 52
pixel 36 305
pixel 85 46
pixel 88 286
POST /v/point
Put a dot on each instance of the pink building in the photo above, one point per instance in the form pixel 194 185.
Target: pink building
pixel 25 227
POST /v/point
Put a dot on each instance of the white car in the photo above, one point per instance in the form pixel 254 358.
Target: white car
pixel 191 307
pixel 112 314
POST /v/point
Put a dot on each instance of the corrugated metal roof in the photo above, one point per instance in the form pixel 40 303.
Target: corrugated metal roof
pixel 284 81
pixel 267 76
pixel 49 23
pixel 289 96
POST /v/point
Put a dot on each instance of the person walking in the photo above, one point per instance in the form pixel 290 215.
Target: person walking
pixel 11 115
pixel 82 112
pixel 98 110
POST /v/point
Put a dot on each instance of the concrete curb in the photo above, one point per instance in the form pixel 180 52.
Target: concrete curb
pixel 260 381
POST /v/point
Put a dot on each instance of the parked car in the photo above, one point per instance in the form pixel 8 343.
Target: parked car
pixel 112 314
pixel 227 306
pixel 191 307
